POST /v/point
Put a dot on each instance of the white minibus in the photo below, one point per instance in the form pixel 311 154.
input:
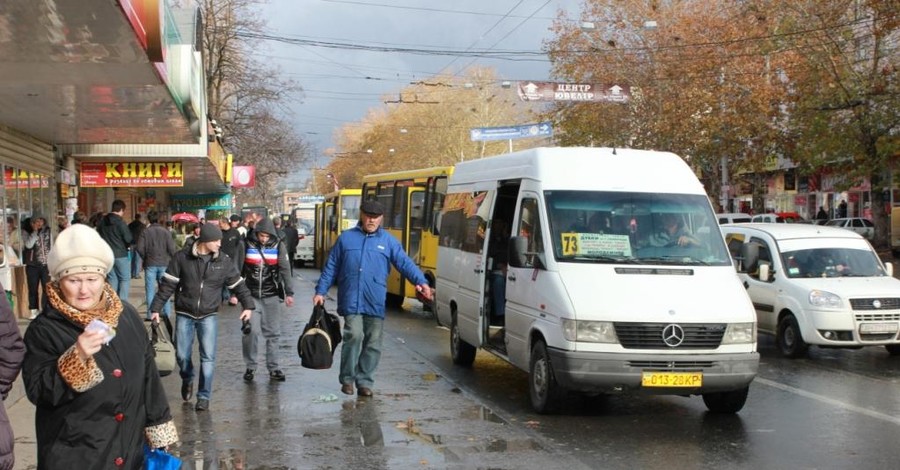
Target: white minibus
pixel 615 274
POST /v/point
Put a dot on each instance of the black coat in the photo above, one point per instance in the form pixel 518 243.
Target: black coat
pixel 115 231
pixel 107 418
pixel 197 283
pixel 12 351
pixel 291 238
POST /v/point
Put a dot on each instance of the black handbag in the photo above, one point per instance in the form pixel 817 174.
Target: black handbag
pixel 319 339
pixel 163 347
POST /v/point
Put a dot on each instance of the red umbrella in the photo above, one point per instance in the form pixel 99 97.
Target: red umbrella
pixel 185 217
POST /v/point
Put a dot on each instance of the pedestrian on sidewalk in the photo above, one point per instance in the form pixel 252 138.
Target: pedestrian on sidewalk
pixel 115 232
pixel 89 366
pixel 12 352
pixel 291 239
pixel 136 227
pixel 198 273
pixel 268 275
pixel 156 247
pixel 233 246
pixel 37 249
pixel 360 262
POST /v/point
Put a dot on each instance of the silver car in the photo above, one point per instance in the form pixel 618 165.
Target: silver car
pixel 862 226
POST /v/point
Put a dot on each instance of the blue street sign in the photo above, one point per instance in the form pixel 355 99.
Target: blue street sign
pixel 543 129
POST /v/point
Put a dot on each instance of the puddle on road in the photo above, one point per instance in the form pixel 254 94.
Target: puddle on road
pixel 482 413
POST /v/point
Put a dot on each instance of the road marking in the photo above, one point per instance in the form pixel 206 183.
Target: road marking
pixel 830 401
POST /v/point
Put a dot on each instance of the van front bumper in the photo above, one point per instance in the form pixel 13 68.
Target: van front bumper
pixel 617 372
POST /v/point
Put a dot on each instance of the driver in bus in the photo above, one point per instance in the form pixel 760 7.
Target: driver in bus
pixel 673 233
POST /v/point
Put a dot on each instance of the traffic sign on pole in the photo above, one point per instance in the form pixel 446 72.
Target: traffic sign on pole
pixel 543 129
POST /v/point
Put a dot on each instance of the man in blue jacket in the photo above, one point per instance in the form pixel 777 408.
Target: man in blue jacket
pixel 360 262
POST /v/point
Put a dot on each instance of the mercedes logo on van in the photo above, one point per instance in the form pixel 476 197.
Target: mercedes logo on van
pixel 876 304
pixel 673 335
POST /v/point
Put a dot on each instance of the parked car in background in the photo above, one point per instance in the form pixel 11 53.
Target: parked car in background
pixel 767 219
pixel 816 285
pixel 862 226
pixel 732 218
pixel 791 217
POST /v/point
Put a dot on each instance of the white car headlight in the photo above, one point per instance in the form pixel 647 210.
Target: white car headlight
pixel 589 331
pixel 821 298
pixel 740 333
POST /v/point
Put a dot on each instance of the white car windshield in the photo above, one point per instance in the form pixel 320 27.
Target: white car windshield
pixel 831 262
pixel 634 228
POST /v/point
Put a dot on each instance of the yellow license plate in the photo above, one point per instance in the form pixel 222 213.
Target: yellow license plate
pixel 671 379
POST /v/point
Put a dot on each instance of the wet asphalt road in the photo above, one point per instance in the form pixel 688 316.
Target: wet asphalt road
pixel 837 409
pixel 417 419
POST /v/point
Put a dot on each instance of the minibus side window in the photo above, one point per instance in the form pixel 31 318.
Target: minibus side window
pixel 530 229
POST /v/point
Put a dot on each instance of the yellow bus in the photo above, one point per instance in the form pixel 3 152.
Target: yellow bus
pixel 412 204
pixel 337 212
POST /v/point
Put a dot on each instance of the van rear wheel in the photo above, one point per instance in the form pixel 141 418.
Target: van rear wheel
pixel 788 338
pixel 461 352
pixel 726 402
pixel 546 394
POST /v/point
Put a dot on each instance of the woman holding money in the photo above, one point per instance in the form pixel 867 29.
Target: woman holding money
pixel 89 366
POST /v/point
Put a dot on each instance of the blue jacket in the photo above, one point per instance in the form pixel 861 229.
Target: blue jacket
pixel 359 263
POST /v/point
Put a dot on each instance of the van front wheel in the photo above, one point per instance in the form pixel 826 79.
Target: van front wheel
pixel 726 402
pixel 788 338
pixel 461 352
pixel 893 349
pixel 546 394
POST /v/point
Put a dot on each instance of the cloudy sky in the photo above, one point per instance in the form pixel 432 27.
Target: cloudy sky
pixel 342 84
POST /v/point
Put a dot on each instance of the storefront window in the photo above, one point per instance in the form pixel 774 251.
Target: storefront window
pixel 22 194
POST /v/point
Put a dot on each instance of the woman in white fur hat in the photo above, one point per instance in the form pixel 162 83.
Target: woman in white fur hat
pixel 88 355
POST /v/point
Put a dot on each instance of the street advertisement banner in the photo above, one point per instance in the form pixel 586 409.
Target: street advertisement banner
pixel 23 179
pixel 553 91
pixel 132 174
pixel 197 202
pixel 543 129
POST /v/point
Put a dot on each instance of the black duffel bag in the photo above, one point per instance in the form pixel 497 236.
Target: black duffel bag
pixel 319 339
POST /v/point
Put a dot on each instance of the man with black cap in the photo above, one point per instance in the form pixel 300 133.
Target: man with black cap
pixel 360 262
pixel 198 274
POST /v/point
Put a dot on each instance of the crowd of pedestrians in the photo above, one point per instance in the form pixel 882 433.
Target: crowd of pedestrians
pixel 79 355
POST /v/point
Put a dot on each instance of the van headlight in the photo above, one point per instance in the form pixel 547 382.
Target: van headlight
pixel 740 333
pixel 821 298
pixel 589 331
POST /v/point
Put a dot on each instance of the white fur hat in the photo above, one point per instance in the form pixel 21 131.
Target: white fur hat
pixel 79 249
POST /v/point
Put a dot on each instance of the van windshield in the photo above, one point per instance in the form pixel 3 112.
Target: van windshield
pixel 634 228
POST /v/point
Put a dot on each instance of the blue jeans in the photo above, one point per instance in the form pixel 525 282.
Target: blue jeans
pixel 207 330
pixel 152 277
pixel 119 277
pixel 266 319
pixel 361 349
pixel 136 264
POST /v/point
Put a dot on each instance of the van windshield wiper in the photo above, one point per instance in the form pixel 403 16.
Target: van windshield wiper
pixel 604 259
pixel 674 260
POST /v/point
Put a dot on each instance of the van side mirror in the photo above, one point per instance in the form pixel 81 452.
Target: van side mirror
pixel 517 249
pixel 889 268
pixel 764 272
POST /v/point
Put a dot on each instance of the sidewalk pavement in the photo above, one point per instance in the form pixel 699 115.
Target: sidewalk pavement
pixel 417 418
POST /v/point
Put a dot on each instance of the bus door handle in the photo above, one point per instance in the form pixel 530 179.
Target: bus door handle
pixel 511 277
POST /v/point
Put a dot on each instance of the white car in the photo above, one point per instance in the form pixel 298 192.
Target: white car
pixel 816 285
pixel 862 226
pixel 732 218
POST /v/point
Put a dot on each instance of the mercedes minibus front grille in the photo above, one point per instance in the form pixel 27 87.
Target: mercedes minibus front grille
pixel 651 335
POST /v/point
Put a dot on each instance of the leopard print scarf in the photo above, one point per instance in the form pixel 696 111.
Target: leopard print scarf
pixel 107 309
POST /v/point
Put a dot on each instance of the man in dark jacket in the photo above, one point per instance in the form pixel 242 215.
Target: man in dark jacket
pixel 268 274
pixel 12 352
pixel 291 238
pixel 360 262
pixel 156 247
pixel 136 227
pixel 233 246
pixel 198 274
pixel 114 231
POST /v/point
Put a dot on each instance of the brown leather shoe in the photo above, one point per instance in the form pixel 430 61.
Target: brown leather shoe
pixel 347 389
pixel 365 392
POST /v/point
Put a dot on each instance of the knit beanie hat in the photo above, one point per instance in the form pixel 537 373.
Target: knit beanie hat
pixel 79 249
pixel 209 232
